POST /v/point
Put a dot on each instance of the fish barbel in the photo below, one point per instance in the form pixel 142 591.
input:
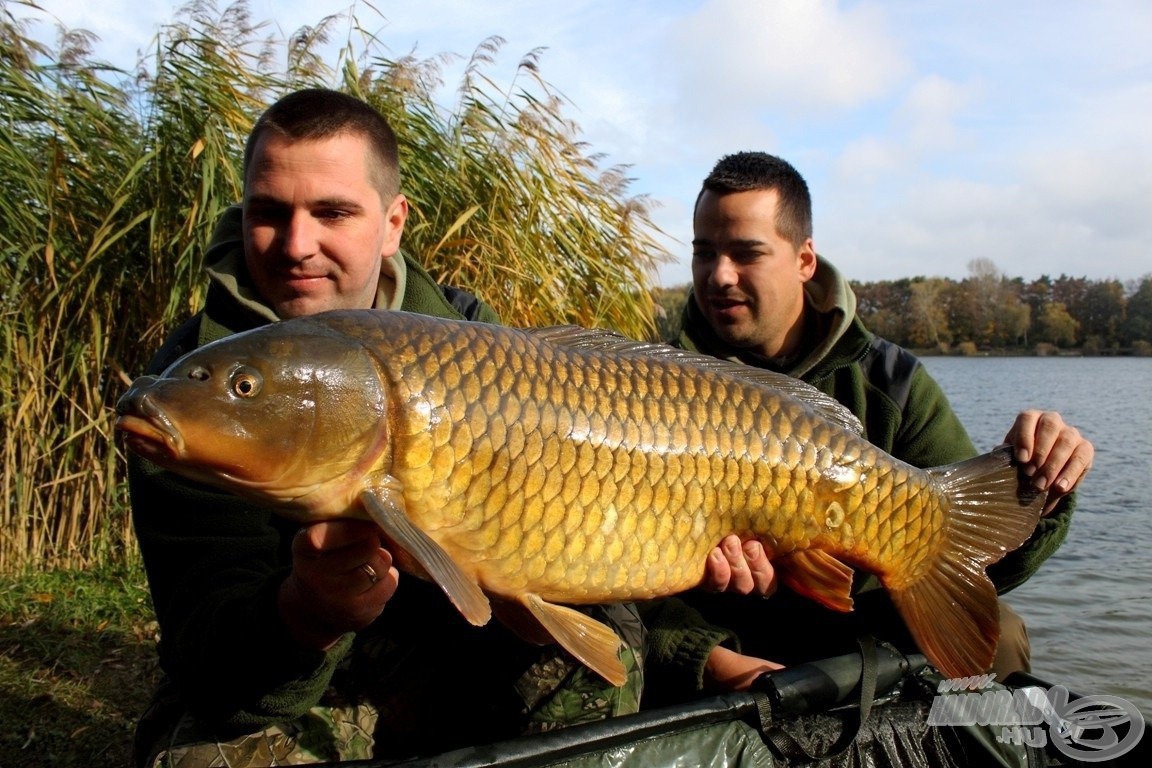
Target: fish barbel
pixel 555 467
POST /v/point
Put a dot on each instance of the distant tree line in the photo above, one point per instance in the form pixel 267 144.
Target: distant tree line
pixel 989 311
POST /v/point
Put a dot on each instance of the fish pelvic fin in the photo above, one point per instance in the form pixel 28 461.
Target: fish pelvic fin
pixel 386 508
pixel 590 641
pixel 817 575
pixel 952 610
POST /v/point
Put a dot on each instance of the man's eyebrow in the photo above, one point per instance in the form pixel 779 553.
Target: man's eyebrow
pixel 344 203
pixel 324 202
pixel 742 243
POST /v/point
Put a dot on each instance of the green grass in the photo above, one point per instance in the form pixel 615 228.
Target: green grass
pixel 77 665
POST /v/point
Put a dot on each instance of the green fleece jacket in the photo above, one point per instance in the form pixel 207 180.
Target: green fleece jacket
pixel 215 562
pixel 905 413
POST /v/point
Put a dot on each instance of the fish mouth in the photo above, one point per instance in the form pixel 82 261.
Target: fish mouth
pixel 150 434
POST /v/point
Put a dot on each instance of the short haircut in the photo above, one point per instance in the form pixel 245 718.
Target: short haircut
pixel 320 113
pixel 747 171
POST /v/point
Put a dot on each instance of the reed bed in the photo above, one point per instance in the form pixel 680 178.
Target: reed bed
pixel 111 181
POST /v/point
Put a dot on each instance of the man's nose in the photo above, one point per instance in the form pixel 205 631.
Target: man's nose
pixel 300 236
pixel 723 272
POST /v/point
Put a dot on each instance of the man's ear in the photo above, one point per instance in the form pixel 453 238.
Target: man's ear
pixel 395 216
pixel 806 260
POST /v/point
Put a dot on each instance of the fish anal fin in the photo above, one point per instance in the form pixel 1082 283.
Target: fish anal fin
pixel 590 641
pixel 386 508
pixel 817 575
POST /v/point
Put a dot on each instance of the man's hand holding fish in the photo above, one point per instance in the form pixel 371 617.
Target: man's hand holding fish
pixel 341 580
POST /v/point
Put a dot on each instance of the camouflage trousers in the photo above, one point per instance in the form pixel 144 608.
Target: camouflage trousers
pixel 553 691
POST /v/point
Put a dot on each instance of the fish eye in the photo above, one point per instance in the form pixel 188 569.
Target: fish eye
pixel 245 384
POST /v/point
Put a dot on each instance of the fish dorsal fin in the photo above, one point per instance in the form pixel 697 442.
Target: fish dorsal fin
pixel 387 510
pixel 590 641
pixel 594 341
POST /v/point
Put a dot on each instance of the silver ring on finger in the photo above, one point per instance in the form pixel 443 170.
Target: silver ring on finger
pixel 370 572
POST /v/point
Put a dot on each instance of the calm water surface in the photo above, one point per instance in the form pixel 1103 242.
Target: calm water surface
pixel 1088 609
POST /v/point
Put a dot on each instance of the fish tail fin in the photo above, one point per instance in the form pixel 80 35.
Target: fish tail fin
pixel 952 610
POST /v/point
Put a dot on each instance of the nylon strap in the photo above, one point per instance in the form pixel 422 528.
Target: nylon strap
pixel 787 745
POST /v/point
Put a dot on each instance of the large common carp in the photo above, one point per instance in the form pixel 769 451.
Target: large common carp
pixel 565 466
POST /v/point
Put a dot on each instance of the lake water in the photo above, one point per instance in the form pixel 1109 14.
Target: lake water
pixel 1089 608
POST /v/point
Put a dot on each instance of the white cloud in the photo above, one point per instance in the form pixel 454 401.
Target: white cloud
pixel 1025 137
pixel 930 110
pixel 930 132
pixel 805 54
pixel 866 159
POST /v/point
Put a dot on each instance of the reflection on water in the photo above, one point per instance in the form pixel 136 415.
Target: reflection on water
pixel 1088 609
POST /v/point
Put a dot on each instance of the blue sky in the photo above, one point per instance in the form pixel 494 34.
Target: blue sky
pixel 931 133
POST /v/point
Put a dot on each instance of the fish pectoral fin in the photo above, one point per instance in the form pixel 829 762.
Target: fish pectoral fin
pixel 387 510
pixel 818 575
pixel 590 641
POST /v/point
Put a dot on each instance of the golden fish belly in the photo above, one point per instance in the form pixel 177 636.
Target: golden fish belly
pixel 585 479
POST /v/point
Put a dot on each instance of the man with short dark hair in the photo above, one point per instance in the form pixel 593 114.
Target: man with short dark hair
pixel 284 644
pixel 761 296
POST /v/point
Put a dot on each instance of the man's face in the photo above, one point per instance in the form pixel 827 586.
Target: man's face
pixel 315 227
pixel 748 280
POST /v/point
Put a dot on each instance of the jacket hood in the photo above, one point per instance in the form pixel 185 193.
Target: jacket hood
pixel 832 300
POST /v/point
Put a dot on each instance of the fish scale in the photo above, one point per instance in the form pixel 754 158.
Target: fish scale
pixel 558 467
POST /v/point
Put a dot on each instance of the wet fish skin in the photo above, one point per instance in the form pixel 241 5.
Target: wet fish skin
pixel 564 466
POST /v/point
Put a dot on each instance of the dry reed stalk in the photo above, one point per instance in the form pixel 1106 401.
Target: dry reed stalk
pixel 111 182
